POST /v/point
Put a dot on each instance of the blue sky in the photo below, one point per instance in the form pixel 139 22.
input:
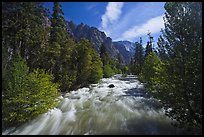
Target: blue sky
pixel 119 20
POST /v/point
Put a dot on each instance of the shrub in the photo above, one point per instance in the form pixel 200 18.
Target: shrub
pixel 26 94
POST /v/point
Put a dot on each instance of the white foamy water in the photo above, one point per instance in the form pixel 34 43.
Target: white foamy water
pixel 123 109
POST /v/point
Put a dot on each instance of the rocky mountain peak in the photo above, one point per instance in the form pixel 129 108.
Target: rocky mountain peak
pixel 98 38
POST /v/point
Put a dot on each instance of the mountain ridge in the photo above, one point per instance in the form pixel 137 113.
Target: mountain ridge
pixel 97 37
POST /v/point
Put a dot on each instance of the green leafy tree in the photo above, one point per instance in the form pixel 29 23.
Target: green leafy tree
pixel 125 70
pixel 151 70
pixel 26 95
pixel 107 71
pixel 96 68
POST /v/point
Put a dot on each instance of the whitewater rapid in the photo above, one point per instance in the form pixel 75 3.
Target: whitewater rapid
pixel 98 109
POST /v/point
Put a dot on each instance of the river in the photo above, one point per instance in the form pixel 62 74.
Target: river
pixel 124 109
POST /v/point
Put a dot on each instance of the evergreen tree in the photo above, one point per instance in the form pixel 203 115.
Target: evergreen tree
pixel 119 62
pixel 59 43
pixel 83 62
pixel 131 66
pixel 61 51
pixel 161 48
pixel 180 47
pixel 149 45
pixel 138 57
pixel 104 55
pixel 67 72
pixel 148 48
pixel 57 38
pixel 136 63
pixel 108 65
pixel 96 67
pixel 24 30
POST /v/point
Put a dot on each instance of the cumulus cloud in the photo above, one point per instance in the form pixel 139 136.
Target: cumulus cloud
pixel 113 12
pixel 153 25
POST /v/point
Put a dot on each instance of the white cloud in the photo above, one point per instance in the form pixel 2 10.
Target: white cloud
pixel 153 25
pixel 132 14
pixel 113 12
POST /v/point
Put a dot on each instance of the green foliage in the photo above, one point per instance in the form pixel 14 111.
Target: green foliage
pixel 125 69
pixel 59 50
pixel 96 68
pixel 107 71
pixel 104 55
pixel 119 71
pixel 26 94
pixel 151 70
pixel 67 71
pixel 175 78
pixel 148 48
pixel 136 63
pixel 83 61
pixel 24 30
pixel 88 64
pixel 183 39
pixel 110 66
pixel 43 92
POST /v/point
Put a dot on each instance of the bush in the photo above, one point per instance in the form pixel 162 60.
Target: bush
pixel 26 94
pixel 107 71
pixel 151 71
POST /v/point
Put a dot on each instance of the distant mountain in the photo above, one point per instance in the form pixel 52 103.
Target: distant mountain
pixel 126 49
pixel 93 34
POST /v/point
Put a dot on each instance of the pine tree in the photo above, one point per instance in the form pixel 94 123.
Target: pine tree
pixel 138 57
pixel 108 65
pixel 131 66
pixel 24 30
pixel 104 55
pixel 61 51
pixel 119 62
pixel 180 47
pixel 83 62
pixel 57 34
pixel 136 52
pixel 96 67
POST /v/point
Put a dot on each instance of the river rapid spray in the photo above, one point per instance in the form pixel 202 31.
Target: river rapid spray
pixel 123 109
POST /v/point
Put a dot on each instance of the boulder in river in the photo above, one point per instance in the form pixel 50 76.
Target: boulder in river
pixel 111 86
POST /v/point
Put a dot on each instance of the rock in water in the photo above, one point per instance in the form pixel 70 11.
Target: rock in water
pixel 111 86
